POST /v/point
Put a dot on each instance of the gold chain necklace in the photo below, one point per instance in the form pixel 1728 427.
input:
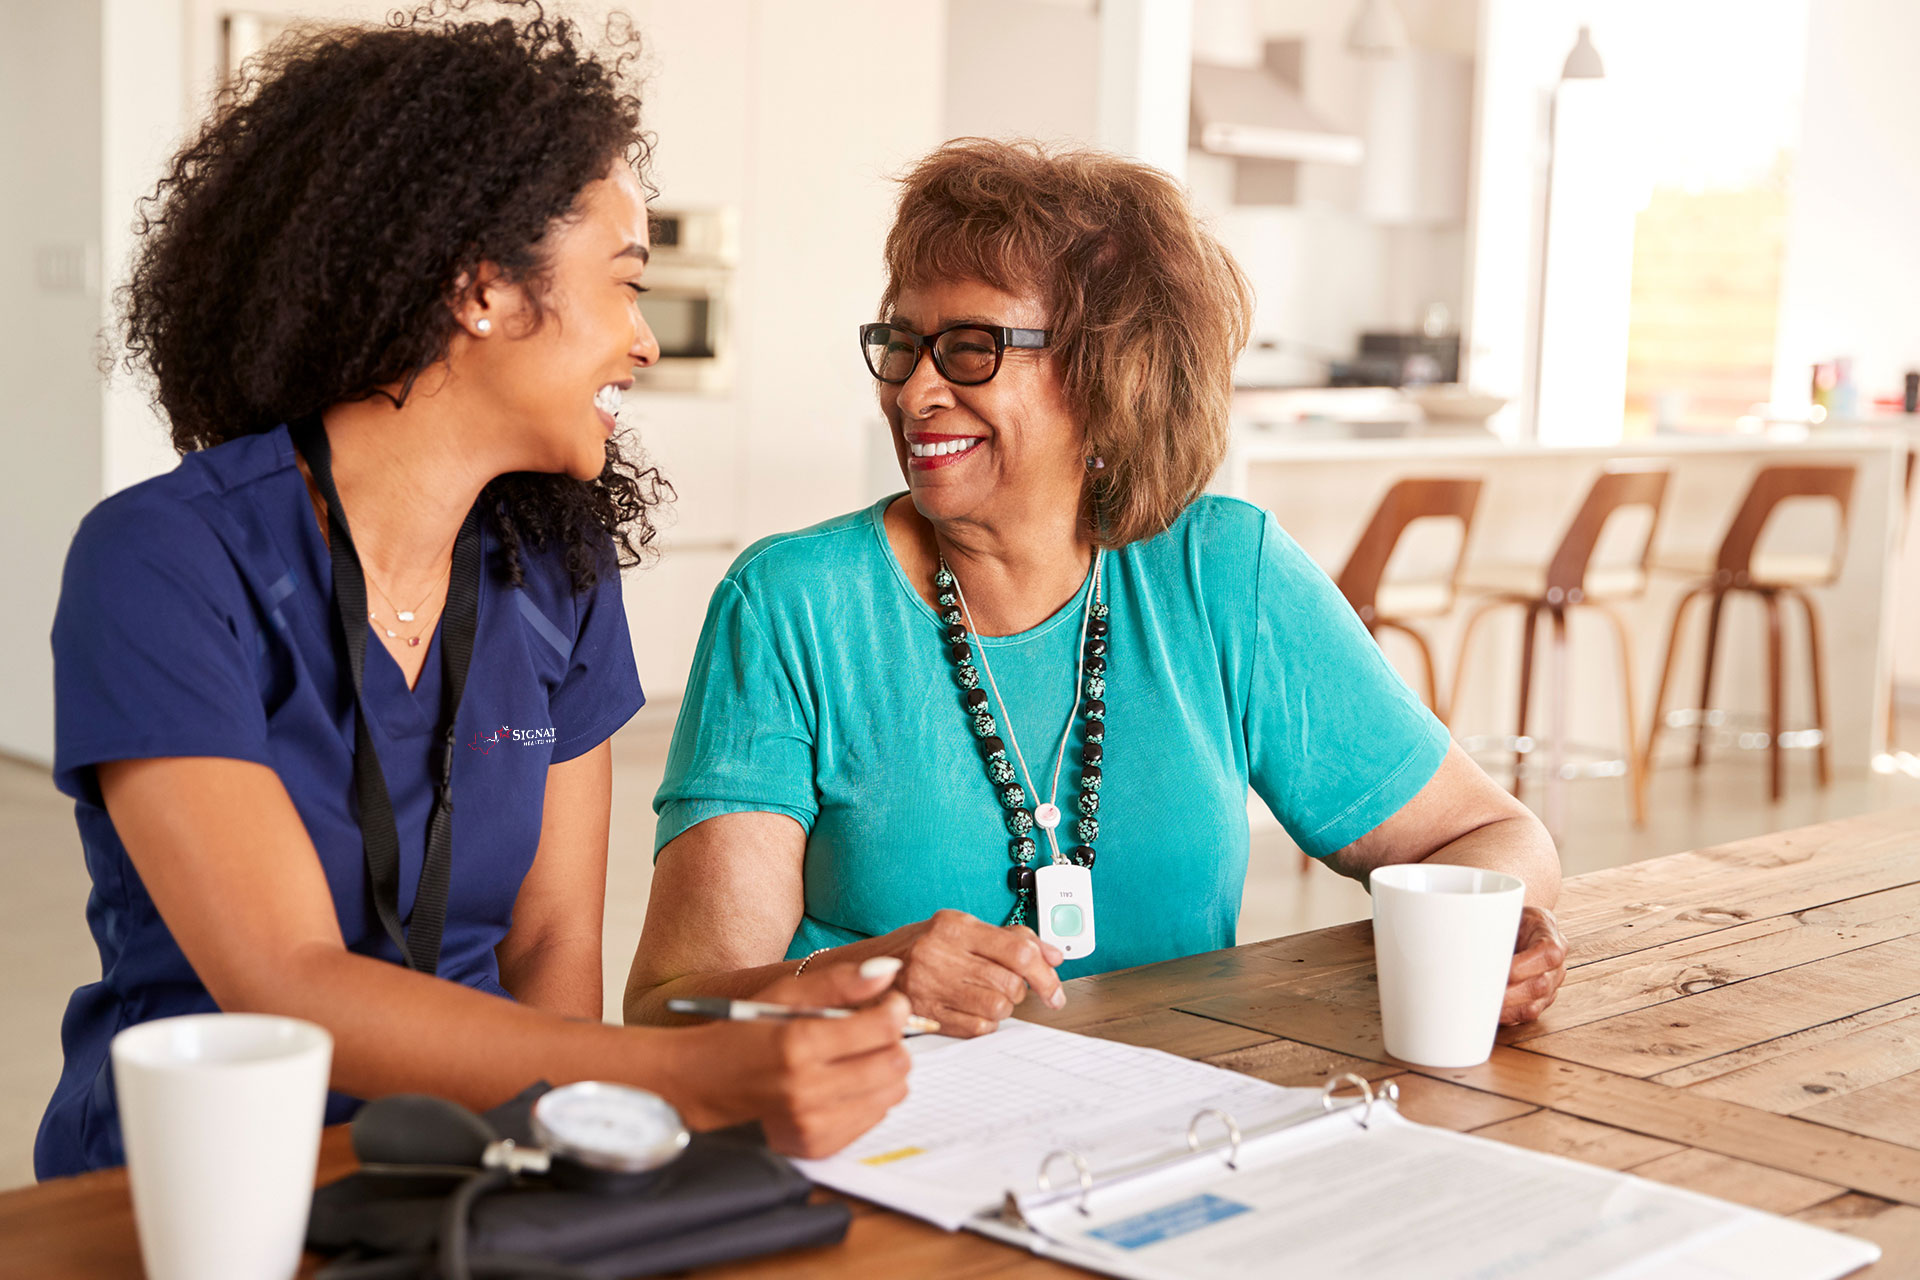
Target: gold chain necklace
pixel 403 615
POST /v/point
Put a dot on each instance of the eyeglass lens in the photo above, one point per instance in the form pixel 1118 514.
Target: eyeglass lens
pixel 964 355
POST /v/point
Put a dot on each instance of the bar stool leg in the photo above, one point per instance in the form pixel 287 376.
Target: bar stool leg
pixel 1772 601
pixel 1819 687
pixel 1636 766
pixel 1526 689
pixel 1666 675
pixel 1426 660
pixel 1706 677
pixel 1557 781
pixel 1460 658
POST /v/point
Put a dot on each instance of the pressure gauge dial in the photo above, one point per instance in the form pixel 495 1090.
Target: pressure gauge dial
pixel 609 1127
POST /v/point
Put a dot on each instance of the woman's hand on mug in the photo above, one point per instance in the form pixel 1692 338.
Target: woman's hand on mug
pixel 1539 967
pixel 814 1084
pixel 967 975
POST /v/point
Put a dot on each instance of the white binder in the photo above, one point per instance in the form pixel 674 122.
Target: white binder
pixel 1337 1186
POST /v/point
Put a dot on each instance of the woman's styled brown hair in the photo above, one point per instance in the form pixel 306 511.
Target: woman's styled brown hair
pixel 1147 311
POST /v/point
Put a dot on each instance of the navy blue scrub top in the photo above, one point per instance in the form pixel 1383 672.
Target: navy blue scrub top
pixel 196 619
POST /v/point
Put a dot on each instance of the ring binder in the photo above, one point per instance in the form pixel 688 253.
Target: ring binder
pixel 1012 1210
pixel 1233 1133
pixel 1079 1163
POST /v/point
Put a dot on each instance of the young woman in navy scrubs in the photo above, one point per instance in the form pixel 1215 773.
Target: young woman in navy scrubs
pixel 333 696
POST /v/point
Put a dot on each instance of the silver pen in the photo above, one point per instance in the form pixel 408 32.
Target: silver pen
pixel 720 1009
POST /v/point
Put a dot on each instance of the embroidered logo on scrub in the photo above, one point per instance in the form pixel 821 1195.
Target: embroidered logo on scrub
pixel 484 743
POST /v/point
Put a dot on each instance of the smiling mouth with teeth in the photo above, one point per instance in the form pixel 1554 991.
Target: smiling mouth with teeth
pixel 941 448
pixel 609 399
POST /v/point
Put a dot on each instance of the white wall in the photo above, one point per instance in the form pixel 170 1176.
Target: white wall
pixel 1022 69
pixel 146 106
pixel 50 418
pixel 801 125
pixel 1852 252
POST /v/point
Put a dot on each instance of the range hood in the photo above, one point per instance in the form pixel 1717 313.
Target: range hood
pixel 1257 113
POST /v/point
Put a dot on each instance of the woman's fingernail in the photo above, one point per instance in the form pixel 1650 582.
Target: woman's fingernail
pixel 1057 999
pixel 880 967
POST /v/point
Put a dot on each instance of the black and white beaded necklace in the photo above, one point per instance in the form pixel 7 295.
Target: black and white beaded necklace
pixel 1090 687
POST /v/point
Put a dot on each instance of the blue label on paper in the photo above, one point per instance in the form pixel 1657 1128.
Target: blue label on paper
pixel 1167 1222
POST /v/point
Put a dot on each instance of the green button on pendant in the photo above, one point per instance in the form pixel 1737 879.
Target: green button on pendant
pixel 1066 921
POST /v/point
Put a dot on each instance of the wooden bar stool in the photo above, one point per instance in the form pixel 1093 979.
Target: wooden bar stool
pixel 1385 605
pixel 1394 605
pixel 1736 568
pixel 1569 581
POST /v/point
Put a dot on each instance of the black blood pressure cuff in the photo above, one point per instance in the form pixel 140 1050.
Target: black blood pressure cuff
pixel 726 1197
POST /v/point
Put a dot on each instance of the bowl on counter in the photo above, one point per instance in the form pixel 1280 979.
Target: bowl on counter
pixel 1453 405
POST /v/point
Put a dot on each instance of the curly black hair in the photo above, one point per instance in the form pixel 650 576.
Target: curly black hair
pixel 306 247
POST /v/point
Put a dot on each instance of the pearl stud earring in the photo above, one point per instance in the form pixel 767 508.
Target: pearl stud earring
pixel 484 325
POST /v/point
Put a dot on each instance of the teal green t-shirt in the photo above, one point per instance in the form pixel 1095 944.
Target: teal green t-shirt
pixel 822 689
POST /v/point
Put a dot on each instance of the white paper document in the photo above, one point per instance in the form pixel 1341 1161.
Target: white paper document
pixel 981 1114
pixel 1401 1201
pixel 1316 1194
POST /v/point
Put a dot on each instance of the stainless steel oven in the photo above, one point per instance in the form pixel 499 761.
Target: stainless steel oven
pixel 689 303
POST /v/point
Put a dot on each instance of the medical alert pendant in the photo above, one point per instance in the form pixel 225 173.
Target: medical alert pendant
pixel 1063 906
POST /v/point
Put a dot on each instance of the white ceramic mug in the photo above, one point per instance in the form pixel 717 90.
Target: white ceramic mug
pixel 1443 939
pixel 221 1116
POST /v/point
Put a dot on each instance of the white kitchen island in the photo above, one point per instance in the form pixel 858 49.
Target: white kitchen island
pixel 1324 491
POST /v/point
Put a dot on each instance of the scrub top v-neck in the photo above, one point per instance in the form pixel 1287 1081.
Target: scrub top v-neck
pixel 196 619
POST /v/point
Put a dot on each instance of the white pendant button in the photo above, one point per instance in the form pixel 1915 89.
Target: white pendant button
pixel 1047 816
pixel 405 615
pixel 1063 908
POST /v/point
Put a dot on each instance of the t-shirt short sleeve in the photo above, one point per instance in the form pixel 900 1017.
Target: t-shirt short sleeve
pixel 155 645
pixel 744 741
pixel 601 690
pixel 1336 741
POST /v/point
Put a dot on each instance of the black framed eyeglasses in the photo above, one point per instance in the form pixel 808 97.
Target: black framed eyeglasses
pixel 965 354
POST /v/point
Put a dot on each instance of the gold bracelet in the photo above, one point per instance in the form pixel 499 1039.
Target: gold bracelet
pixel 809 956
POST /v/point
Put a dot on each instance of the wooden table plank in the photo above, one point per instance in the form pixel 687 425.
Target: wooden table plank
pixel 1171 1031
pixel 1644 904
pixel 1742 1182
pixel 1690 966
pixel 1676 1115
pixel 1588 1141
pixel 1446 1105
pixel 1828 1069
pixel 1894 1227
pixel 1890 1111
pixel 1649 1041
pixel 1296 1065
pixel 1784 1046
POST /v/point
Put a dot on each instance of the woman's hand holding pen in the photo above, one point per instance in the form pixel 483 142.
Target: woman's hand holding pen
pixel 967 975
pixel 815 1084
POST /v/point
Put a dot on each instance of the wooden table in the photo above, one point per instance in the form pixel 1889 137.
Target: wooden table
pixel 1743 1021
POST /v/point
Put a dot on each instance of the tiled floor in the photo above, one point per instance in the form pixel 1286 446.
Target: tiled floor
pixel 45 950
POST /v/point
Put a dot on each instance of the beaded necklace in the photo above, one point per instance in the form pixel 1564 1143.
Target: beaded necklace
pixel 1090 686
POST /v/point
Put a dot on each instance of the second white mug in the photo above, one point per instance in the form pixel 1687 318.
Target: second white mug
pixel 1443 939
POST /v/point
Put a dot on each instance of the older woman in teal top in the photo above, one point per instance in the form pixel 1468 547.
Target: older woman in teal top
pixel 1053 648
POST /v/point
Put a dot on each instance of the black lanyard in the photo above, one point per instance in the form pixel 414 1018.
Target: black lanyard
pixel 419 942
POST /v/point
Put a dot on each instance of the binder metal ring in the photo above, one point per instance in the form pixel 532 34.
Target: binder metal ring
pixel 1233 1134
pixel 1079 1164
pixel 1329 1102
